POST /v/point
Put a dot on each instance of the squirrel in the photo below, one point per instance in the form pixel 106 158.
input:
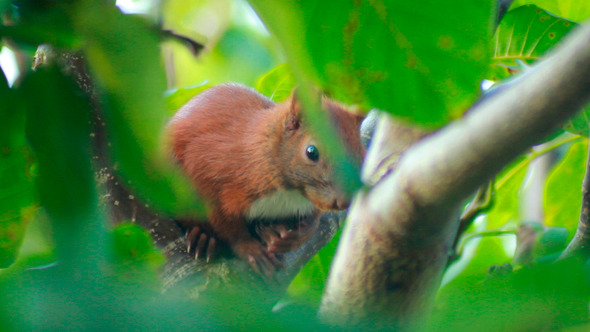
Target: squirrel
pixel 253 160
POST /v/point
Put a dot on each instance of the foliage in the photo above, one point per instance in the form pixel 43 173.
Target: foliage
pixel 421 63
pixel 344 62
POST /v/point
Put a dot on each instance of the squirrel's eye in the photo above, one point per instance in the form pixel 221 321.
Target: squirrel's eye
pixel 312 153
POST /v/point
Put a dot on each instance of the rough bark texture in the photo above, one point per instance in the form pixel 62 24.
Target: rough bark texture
pixel 396 241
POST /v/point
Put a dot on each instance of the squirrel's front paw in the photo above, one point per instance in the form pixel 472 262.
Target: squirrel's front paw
pixel 202 242
pixel 263 262
pixel 284 237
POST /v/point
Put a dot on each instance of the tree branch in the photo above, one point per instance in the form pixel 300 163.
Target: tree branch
pixel 396 242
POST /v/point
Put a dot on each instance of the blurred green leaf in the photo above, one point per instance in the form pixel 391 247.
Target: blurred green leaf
pixel 57 127
pixel 124 55
pixel 308 286
pixel 529 299
pixel 41 22
pixel 178 97
pixel 506 195
pixel 579 124
pixel 563 190
pixel 135 258
pixel 415 62
pixel 277 84
pixel 575 10
pixel 16 183
pixel 553 240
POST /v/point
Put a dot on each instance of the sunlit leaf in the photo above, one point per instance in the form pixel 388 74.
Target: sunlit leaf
pixel 575 10
pixel 563 190
pixel 372 53
pixel 506 196
pixel 526 33
pixel 178 97
pixel 277 84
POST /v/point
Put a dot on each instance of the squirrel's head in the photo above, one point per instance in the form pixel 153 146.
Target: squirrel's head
pixel 311 166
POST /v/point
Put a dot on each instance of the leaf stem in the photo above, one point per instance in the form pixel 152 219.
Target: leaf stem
pixel 533 154
pixel 494 232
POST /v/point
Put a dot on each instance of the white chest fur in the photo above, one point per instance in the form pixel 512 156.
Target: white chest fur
pixel 281 203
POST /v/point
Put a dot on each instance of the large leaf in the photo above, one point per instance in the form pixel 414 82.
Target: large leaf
pixel 57 127
pixel 16 185
pixel 575 10
pixel 414 61
pixel 124 55
pixel 529 299
pixel 563 189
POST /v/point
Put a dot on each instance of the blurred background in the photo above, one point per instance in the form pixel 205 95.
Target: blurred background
pixel 238 47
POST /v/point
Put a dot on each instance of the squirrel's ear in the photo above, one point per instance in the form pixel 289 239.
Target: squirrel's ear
pixel 293 121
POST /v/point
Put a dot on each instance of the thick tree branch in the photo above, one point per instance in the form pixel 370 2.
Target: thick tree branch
pixel 392 137
pixel 396 241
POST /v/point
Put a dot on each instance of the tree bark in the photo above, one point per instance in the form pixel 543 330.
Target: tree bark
pixel 396 241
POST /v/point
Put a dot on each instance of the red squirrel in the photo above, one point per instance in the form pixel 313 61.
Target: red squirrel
pixel 253 159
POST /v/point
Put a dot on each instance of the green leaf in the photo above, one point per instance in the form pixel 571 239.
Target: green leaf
pixel 466 275
pixel 542 296
pixel 124 55
pixel 526 33
pixel 415 62
pixel 135 258
pixel 552 240
pixel 16 183
pixel 308 285
pixel 506 196
pixel 580 123
pixel 57 127
pixel 563 190
pixel 575 10
pixel 277 84
pixel 175 99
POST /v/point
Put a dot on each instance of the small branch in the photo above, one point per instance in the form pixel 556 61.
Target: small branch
pixel 481 202
pixel 472 236
pixel 395 244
